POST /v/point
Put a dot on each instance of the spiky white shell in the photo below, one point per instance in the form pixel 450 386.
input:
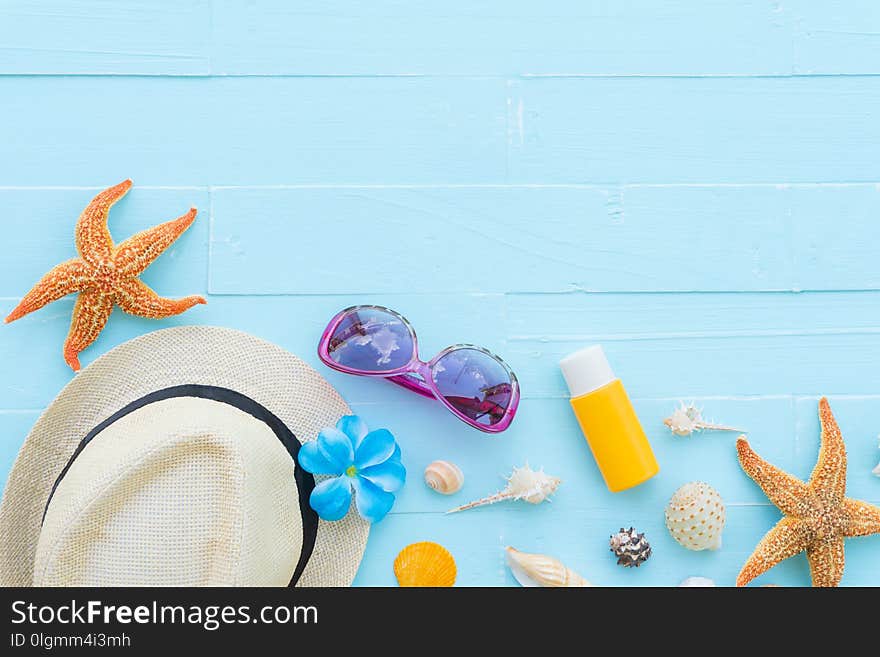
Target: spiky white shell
pixel 684 420
pixel 688 419
pixel 540 570
pixel 695 516
pixel 533 486
pixel 444 477
pixel 697 582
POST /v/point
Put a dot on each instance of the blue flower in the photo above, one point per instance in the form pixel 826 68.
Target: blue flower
pixel 366 463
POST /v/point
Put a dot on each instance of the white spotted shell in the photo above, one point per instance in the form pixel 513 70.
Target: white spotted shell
pixel 444 477
pixel 695 516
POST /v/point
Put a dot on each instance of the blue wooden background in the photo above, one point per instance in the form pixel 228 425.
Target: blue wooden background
pixel 695 185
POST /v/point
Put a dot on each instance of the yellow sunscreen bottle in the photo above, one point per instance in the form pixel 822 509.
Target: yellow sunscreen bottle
pixel 608 420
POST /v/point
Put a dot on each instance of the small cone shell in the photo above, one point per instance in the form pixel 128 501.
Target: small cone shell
pixel 541 570
pixel 695 516
pixel 425 564
pixel 444 477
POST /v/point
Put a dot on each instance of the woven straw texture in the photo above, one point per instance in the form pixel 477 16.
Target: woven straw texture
pixel 212 356
pixel 181 492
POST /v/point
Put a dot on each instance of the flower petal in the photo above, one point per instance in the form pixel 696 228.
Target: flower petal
pixel 376 447
pixel 312 460
pixel 353 427
pixel 331 498
pixel 373 503
pixel 389 476
pixel 396 455
pixel 331 453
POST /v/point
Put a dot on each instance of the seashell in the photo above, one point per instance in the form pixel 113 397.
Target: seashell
pixel 697 582
pixel 695 516
pixel 425 564
pixel 533 486
pixel 687 418
pixel 630 547
pixel 444 477
pixel 540 570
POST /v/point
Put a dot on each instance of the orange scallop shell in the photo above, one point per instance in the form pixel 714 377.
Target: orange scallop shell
pixel 425 564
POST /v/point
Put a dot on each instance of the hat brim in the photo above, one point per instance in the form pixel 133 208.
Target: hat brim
pixel 210 356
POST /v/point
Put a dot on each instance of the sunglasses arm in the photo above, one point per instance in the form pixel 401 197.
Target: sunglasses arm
pixel 412 383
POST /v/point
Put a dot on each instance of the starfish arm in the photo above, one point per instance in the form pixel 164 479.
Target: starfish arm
pixel 789 493
pixel 138 252
pixel 93 239
pixel 862 518
pixel 137 298
pixel 826 559
pixel 785 540
pixel 66 278
pixel 828 480
pixel 90 314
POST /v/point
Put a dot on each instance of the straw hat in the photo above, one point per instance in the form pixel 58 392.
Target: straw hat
pixel 171 461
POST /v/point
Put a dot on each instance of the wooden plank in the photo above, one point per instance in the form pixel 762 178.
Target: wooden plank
pixel 598 38
pixel 103 37
pixel 492 37
pixel 835 235
pixel 422 239
pixel 638 37
pixel 834 37
pixel 180 271
pixel 736 365
pixel 584 317
pixel 631 130
pixel 532 239
pixel 222 131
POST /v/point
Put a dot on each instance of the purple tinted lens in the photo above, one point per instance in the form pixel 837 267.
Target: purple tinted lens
pixel 371 340
pixel 477 385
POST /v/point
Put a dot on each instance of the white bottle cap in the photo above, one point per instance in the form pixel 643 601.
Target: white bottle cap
pixel 586 370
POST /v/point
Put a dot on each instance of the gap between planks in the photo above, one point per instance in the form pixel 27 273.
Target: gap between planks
pixel 445 76
pixel 536 185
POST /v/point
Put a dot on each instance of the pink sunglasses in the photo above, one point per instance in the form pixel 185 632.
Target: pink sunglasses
pixel 477 386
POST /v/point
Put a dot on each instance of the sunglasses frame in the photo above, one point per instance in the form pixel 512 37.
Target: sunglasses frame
pixel 416 374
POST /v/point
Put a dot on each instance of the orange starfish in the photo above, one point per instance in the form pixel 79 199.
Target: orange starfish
pixel 106 274
pixel 818 515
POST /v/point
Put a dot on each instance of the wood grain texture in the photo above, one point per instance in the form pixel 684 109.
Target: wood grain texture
pixel 239 131
pixel 695 186
pixel 501 37
pixel 104 37
pixel 390 37
pixel 841 36
pixel 603 239
pixel 728 365
pixel 589 130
